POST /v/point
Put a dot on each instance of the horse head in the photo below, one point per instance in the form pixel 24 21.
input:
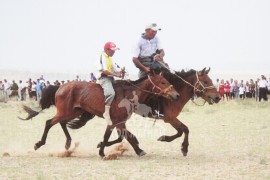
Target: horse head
pixel 204 87
pixel 162 87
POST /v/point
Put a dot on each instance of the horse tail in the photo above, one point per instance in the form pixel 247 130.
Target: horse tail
pixel 78 123
pixel 47 99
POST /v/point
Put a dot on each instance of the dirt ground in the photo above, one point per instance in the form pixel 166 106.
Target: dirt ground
pixel 230 140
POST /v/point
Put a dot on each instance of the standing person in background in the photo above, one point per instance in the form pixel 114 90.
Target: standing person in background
pixel 29 88
pixel 235 89
pixel 247 90
pixel 6 90
pixel 39 89
pixel 257 89
pixel 231 89
pixel 14 89
pixel 221 89
pixel 241 91
pixel 22 91
pixel 107 71
pixel 33 93
pixel 227 88
pixel 242 82
pixel 262 88
pixel 252 88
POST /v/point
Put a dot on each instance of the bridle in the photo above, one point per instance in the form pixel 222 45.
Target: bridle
pixel 164 91
pixel 198 84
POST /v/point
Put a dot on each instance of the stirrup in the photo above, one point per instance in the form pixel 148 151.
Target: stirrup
pixel 159 115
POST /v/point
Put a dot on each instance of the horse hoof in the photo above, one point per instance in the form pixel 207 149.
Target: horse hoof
pixel 99 145
pixel 35 147
pixel 142 154
pixel 101 155
pixel 184 152
pixel 68 143
pixel 162 138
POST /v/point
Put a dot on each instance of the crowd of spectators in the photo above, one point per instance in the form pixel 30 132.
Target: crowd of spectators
pixel 228 89
pixel 30 88
pixel 232 89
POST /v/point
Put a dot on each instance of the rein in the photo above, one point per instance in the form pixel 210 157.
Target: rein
pixel 154 87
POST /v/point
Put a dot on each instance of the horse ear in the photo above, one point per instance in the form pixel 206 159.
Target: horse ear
pixel 207 71
pixel 203 71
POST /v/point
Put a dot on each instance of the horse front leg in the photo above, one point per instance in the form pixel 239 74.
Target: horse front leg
pixel 106 137
pixel 109 143
pixel 180 127
pixel 68 141
pixel 48 126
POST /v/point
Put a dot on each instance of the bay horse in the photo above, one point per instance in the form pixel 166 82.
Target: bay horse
pixel 84 100
pixel 187 84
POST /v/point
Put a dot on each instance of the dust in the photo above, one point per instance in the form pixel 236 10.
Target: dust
pixel 116 151
pixel 66 153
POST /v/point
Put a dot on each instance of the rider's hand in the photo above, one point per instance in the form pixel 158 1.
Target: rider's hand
pixel 157 57
pixel 147 69
pixel 122 72
pixel 119 74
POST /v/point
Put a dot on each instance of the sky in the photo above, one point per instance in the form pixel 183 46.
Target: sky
pixel 67 36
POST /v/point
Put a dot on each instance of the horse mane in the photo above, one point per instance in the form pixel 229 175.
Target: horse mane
pixel 129 83
pixel 174 79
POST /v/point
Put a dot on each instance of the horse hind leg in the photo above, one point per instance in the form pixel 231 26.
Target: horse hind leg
pixel 68 141
pixel 131 138
pixel 48 126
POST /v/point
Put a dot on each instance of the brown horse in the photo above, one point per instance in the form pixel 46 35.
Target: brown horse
pixel 187 84
pixel 85 100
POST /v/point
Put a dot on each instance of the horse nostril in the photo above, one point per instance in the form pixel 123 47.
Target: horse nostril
pixel 218 98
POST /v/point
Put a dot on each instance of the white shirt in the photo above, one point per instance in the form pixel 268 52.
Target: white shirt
pixel 268 85
pixel 241 90
pixel 262 83
pixel 21 86
pixel 145 47
pixel 6 86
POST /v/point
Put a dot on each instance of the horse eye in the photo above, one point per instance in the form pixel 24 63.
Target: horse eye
pixel 205 82
pixel 163 83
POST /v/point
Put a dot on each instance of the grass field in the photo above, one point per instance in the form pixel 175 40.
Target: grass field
pixel 230 140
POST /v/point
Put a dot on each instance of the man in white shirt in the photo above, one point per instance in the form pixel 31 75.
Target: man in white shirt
pixel 22 91
pixel 148 50
pixel 6 90
pixel 148 54
pixel 262 84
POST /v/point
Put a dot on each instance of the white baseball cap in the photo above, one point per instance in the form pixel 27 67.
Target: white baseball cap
pixel 153 26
